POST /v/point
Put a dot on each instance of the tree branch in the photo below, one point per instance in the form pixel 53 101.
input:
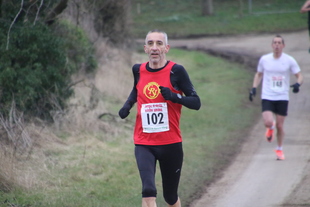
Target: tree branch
pixel 38 12
pixel 8 37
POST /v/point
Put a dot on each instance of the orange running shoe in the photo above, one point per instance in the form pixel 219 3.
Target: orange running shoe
pixel 269 133
pixel 280 155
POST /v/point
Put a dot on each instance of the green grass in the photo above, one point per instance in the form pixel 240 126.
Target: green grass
pixel 92 172
pixel 182 18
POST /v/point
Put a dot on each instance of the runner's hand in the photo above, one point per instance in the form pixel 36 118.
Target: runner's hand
pixel 295 87
pixel 252 94
pixel 168 94
pixel 124 111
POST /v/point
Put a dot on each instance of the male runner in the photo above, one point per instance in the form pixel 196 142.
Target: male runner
pixel 275 69
pixel 161 88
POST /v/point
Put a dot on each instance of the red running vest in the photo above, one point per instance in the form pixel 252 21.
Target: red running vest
pixel 155 123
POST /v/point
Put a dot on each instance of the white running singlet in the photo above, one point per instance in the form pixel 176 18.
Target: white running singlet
pixel 276 76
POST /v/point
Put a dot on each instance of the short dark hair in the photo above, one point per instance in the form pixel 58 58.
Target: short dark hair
pixel 279 36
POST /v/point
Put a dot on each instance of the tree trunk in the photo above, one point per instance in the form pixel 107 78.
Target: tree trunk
pixel 56 11
pixel 0 8
pixel 207 7
pixel 240 8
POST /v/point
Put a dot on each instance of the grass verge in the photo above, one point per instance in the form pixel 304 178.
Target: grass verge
pixel 183 18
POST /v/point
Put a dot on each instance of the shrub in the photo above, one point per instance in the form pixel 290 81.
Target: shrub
pixel 32 69
pixel 38 59
pixel 78 47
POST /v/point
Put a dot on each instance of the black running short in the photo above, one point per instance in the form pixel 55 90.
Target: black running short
pixel 277 107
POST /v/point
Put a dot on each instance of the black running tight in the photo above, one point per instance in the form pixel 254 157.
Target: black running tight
pixel 170 158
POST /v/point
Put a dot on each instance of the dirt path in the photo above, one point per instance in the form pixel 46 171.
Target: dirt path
pixel 255 178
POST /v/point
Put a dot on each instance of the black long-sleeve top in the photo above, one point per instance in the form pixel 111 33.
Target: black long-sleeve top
pixel 180 81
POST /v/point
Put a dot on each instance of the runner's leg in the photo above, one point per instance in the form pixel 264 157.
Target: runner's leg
pixel 268 118
pixel 171 165
pixel 146 162
pixel 280 130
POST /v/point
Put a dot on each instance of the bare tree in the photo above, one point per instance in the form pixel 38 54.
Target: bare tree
pixel 207 7
pixel 113 20
pixel 62 5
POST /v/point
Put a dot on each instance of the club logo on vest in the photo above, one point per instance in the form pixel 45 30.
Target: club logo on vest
pixel 151 90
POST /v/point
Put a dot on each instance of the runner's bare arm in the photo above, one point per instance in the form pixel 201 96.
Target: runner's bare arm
pixel 257 79
pixel 299 77
pixel 305 7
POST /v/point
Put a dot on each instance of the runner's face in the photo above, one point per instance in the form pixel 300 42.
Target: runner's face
pixel 156 48
pixel 277 45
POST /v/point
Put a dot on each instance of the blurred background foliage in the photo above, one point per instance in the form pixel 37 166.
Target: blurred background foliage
pixel 187 18
pixel 38 56
pixel 40 51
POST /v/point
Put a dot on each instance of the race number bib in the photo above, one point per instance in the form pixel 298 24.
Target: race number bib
pixel 277 83
pixel 154 117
